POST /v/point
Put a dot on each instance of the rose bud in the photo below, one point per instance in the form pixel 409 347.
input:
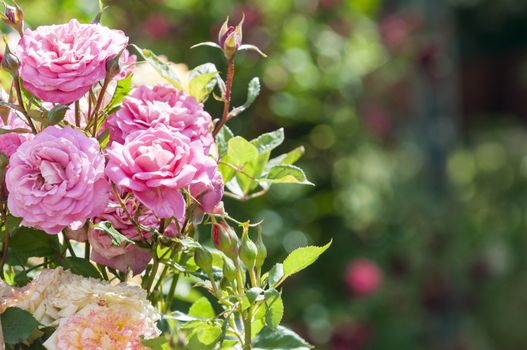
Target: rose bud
pixel 10 62
pixel 225 240
pixel 230 38
pixel 203 259
pixel 229 270
pixel 14 18
pixel 248 251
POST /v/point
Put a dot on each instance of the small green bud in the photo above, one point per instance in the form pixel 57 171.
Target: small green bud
pixel 248 251
pixel 262 251
pixel 203 259
pixel 229 270
pixel 225 239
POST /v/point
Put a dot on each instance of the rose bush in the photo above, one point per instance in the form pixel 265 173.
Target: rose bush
pixel 114 183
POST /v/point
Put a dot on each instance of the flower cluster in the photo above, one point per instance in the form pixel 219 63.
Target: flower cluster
pixel 157 159
pixel 88 313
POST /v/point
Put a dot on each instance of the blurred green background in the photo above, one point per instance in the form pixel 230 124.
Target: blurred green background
pixel 413 118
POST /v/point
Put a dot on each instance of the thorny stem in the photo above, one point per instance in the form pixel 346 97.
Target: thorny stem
pixel 77 114
pixel 5 244
pixel 99 103
pixel 68 244
pixel 171 292
pixel 21 103
pixel 226 97
pixel 247 329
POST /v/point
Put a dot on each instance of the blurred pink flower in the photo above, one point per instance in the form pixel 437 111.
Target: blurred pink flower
pixel 10 142
pixel 155 165
pixel 363 277
pixel 60 63
pixel 157 26
pixel 57 180
pixel 148 106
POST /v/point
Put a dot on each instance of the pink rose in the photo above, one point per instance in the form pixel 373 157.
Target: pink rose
pixel 148 106
pixel 155 164
pixel 363 277
pixel 127 255
pixel 207 189
pixel 60 63
pixel 10 142
pixel 57 180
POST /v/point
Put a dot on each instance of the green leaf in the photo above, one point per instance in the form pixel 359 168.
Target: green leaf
pixel 12 223
pixel 279 338
pixel 159 343
pixel 253 293
pixel 269 141
pixel 202 81
pixel 124 86
pixel 17 325
pixel 274 308
pixel 222 139
pixel 202 308
pixel 204 337
pixel 241 151
pixel 117 237
pixel 163 68
pixel 287 174
pixel 80 267
pixel 56 114
pixel 276 274
pixel 253 90
pixel 288 158
pixel 29 242
pixel 302 257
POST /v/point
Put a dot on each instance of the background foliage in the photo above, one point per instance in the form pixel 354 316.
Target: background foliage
pixel 411 114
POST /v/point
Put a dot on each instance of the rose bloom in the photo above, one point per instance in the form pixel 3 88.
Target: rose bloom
pixel 102 328
pixel 60 63
pixel 363 277
pixel 155 165
pixel 57 180
pixel 207 190
pixel 127 255
pixel 148 106
pixel 10 142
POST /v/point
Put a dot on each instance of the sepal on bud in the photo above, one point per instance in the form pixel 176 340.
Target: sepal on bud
pixel 262 251
pixel 113 65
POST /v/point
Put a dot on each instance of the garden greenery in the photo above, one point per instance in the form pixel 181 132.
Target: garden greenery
pixel 106 184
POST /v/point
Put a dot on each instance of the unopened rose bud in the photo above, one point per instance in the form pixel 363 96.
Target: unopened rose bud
pixel 10 62
pixel 230 38
pixel 225 240
pixel 248 251
pixel 203 259
pixel 13 17
pixel 229 270
pixel 113 66
pixel 262 251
